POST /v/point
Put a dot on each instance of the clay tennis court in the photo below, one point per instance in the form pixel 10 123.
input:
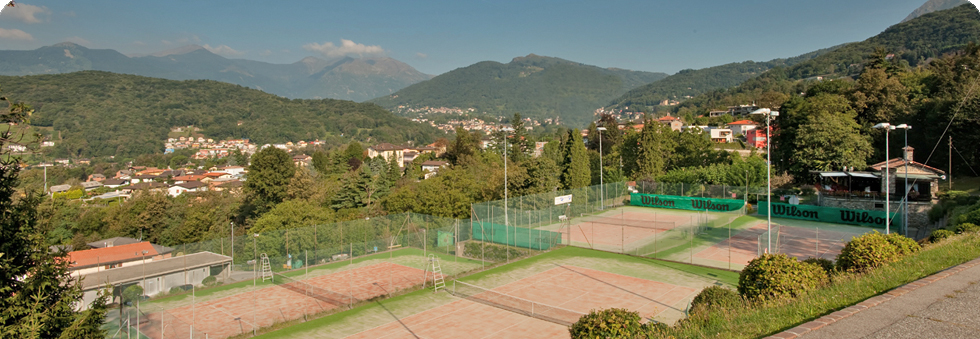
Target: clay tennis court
pixel 237 314
pixel 795 241
pixel 611 233
pixel 574 289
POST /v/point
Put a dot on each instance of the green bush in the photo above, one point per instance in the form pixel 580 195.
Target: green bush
pixel 826 264
pixel 866 252
pixel 608 323
pixel 132 293
pixel 903 245
pixel 939 235
pixel 967 228
pixel 777 276
pixel 210 281
pixel 938 211
pixel 714 296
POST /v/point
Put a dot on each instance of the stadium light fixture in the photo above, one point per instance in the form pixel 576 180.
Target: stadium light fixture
pixel 769 114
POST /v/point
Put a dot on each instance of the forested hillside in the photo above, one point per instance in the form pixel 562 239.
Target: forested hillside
pixel 95 113
pixel 912 44
pixel 689 82
pixel 535 86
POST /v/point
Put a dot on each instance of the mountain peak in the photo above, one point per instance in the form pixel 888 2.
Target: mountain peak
pixel 932 6
pixel 177 51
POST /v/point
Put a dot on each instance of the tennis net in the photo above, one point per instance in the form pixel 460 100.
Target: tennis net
pixel 317 293
pixel 659 225
pixel 514 304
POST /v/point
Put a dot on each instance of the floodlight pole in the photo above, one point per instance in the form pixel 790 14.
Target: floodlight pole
pixel 769 115
pixel 905 199
pixel 602 188
pixel 887 127
pixel 231 267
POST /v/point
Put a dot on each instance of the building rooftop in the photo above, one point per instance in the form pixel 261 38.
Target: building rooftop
pixel 127 274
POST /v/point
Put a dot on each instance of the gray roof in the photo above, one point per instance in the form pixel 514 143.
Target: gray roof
pixel 156 268
pixel 117 241
pixel 91 184
pixel 60 188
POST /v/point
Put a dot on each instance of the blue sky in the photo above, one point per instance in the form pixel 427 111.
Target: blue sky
pixel 439 36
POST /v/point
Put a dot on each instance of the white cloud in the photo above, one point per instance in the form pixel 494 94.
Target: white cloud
pixel 224 50
pixel 346 47
pixel 266 53
pixel 421 55
pixel 80 41
pixel 15 34
pixel 139 43
pixel 26 13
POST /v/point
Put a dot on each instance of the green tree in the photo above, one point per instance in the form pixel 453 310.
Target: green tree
pixel 38 294
pixel 830 121
pixel 292 214
pixel 575 167
pixel 268 179
pixel 464 146
pixel 655 150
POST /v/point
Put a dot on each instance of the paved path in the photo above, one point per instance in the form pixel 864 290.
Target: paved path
pixel 944 305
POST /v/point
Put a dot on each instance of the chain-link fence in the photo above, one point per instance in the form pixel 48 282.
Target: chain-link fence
pixel 282 276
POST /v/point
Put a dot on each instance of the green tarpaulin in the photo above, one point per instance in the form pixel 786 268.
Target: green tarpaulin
pixel 686 203
pixel 515 236
pixel 832 215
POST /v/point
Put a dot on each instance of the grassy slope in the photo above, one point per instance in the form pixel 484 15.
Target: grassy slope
pixel 555 255
pixel 762 319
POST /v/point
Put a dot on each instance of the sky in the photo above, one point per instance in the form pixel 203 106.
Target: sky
pixel 438 36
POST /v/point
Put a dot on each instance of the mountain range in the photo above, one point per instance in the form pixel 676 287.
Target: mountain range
pixel 934 5
pixel 536 86
pixel 345 78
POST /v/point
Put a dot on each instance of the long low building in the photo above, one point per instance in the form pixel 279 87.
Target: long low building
pixel 157 276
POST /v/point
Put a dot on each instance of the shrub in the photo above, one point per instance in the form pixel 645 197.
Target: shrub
pixel 967 228
pixel 608 323
pixel 210 281
pixel 903 245
pixel 866 252
pixel 825 264
pixel 777 276
pixel 939 235
pixel 131 293
pixel 714 296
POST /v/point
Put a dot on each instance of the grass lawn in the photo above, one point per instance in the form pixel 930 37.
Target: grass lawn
pixel 969 184
pixel 760 319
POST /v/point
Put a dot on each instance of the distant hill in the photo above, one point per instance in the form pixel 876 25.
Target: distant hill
pixel 345 78
pixel 94 113
pixel 934 5
pixel 535 86
pixel 689 83
pixel 913 42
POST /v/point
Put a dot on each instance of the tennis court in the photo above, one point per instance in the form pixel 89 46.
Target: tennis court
pixel 287 300
pixel 795 238
pixel 538 306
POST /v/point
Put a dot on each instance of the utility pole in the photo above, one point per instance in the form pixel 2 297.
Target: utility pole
pixel 950 162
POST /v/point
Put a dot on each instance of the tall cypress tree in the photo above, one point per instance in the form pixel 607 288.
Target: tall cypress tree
pixel 575 168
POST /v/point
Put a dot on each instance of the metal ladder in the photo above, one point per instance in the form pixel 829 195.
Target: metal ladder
pixel 266 268
pixel 437 278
